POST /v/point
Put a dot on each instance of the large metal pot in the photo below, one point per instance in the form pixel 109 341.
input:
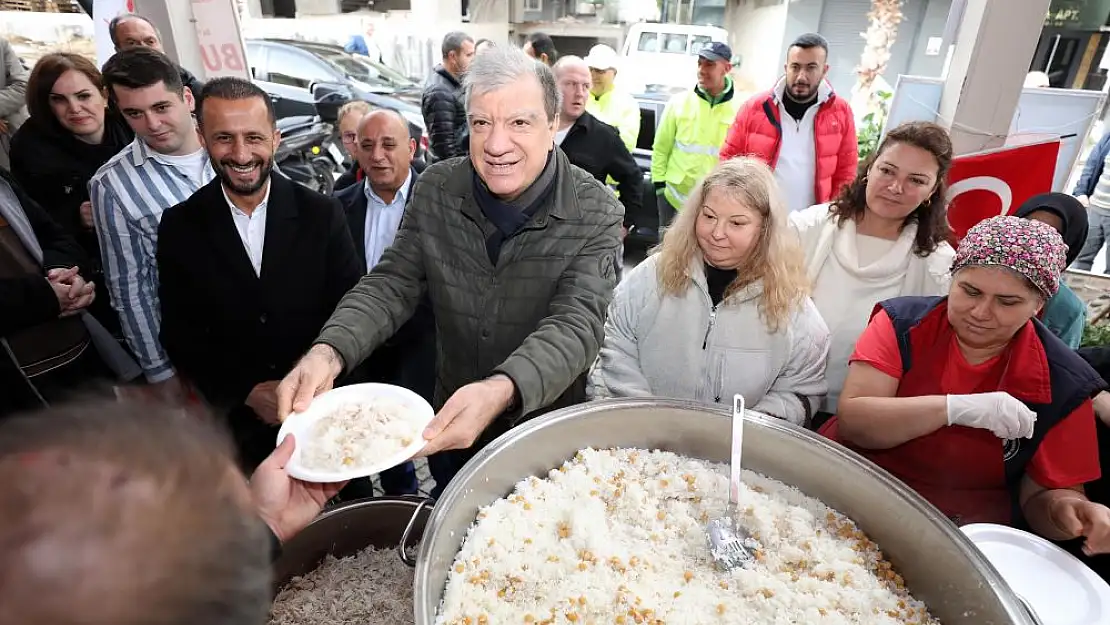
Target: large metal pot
pixel 384 522
pixel 940 565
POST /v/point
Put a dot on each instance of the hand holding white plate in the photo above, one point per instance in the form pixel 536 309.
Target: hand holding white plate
pixel 356 431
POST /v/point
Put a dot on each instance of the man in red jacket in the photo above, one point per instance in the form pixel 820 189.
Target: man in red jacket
pixel 803 130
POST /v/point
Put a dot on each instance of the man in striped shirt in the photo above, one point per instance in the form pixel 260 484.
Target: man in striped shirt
pixel 162 167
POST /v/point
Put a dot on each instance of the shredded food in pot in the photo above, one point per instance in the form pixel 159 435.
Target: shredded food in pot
pixel 372 587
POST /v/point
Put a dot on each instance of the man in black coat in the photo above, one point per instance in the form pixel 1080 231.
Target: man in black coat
pixel 594 145
pixel 374 208
pixel 250 268
pixel 442 102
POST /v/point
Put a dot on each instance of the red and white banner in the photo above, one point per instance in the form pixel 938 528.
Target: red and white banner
pixel 220 38
pixel 997 182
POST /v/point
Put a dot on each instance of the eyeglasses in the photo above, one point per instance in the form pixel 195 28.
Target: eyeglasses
pixel 348 137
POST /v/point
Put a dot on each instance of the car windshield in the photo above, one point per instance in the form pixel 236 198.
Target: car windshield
pixel 363 69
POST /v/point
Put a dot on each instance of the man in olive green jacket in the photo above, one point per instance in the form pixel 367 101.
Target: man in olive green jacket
pixel 516 250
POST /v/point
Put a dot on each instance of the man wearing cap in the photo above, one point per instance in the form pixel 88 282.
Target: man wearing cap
pixel 801 129
pixel 607 102
pixel 692 129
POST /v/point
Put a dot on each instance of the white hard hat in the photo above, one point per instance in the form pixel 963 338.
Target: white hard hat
pixel 602 56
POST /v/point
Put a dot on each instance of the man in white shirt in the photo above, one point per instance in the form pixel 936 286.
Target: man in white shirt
pixel 163 166
pixel 251 267
pixel 384 150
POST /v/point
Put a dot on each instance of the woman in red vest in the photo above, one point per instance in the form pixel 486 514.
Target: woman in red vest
pixel 972 402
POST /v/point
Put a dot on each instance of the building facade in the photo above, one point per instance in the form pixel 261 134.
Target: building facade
pixel 1070 51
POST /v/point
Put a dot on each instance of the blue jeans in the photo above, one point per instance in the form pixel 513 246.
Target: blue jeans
pixel 1097 234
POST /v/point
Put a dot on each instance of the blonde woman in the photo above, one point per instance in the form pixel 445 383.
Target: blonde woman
pixel 721 308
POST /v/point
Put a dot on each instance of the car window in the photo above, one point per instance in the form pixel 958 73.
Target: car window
pixel 675 43
pixel 649 42
pixel 697 42
pixel 363 68
pixel 296 70
pixel 256 58
pixel 350 67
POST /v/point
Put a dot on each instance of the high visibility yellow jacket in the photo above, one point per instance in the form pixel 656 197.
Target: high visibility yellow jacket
pixel 618 108
pixel 688 140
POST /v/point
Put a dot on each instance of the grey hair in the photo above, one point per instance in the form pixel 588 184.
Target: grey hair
pixel 502 66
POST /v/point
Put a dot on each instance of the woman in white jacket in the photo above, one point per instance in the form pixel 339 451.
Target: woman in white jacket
pixel 883 237
pixel 721 308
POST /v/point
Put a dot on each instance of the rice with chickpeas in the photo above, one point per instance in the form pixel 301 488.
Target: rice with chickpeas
pixel 357 435
pixel 618 536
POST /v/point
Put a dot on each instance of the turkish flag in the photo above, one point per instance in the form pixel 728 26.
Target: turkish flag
pixel 997 182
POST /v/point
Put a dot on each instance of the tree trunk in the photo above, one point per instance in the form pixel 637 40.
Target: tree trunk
pixel 881 33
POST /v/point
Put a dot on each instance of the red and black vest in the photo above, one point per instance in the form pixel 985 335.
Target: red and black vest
pixel 921 326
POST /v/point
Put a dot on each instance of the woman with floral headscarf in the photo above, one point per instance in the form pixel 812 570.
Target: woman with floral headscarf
pixel 972 402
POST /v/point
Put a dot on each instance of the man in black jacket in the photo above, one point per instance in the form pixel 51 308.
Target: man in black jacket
pixel 250 267
pixel 592 144
pixel 129 30
pixel 384 150
pixel 442 102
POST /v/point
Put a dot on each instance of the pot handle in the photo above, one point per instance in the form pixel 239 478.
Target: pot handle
pixel 402 550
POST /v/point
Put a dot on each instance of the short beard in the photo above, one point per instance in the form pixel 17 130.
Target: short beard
pixel 811 98
pixel 263 176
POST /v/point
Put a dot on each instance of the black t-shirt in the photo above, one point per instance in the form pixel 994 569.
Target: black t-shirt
pixel 718 280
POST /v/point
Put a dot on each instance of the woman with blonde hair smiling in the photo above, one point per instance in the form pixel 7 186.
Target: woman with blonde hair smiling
pixel 721 308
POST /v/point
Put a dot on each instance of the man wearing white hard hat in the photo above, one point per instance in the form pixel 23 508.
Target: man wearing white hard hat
pixel 607 102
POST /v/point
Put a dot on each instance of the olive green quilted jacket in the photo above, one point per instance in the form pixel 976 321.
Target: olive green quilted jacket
pixel 537 316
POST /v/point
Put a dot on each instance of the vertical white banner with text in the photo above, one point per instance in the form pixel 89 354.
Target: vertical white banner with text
pixel 103 12
pixel 220 38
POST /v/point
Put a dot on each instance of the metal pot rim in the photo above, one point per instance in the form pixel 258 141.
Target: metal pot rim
pixel 434 526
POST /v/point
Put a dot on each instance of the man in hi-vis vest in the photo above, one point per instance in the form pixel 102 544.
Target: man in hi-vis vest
pixel 689 137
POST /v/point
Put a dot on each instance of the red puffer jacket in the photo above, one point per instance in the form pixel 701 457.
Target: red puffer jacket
pixel 757 132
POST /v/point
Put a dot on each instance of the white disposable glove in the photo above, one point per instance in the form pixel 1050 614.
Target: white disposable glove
pixel 998 412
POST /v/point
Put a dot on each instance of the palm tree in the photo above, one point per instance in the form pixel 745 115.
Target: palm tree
pixel 885 15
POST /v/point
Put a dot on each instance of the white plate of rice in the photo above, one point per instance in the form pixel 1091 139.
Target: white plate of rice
pixel 356 431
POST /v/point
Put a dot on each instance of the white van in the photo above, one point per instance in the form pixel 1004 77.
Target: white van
pixel 663 58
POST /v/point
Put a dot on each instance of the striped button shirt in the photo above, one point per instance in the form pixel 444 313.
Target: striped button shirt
pixel 129 194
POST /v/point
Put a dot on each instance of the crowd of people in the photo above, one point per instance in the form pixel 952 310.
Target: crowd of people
pixel 151 251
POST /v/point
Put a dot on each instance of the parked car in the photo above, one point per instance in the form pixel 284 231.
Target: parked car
pixel 291 70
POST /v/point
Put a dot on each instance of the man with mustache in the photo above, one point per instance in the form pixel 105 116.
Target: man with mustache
pixel 801 129
pixel 384 151
pixel 250 268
